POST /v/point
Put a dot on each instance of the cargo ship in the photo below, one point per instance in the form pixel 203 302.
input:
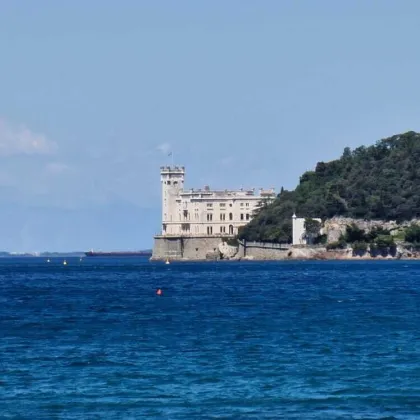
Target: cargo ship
pixel 93 253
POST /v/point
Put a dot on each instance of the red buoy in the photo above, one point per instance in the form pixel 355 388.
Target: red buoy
pixel 159 292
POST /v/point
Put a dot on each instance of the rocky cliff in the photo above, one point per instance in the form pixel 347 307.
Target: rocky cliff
pixel 336 226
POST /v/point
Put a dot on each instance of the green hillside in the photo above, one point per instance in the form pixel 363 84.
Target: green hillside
pixel 376 182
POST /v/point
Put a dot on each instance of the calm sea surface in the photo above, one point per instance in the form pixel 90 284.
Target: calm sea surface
pixel 307 340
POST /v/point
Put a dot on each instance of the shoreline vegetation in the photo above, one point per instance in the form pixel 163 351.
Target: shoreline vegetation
pixel 368 201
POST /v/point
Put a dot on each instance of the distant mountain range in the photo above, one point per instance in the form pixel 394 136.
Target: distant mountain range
pixel 4 254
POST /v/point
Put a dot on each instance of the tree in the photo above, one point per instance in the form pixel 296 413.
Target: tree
pixel 359 247
pixel 354 234
pixel 312 229
pixel 346 153
pixel 412 234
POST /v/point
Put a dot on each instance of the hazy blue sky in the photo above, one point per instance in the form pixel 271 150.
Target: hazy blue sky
pixel 245 93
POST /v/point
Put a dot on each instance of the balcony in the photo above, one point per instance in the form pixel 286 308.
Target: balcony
pixel 193 235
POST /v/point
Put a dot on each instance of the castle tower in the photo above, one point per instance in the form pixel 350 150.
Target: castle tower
pixel 172 180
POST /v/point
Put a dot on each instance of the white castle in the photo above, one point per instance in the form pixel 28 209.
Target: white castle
pixel 205 212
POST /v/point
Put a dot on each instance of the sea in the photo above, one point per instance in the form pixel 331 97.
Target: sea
pixel 92 339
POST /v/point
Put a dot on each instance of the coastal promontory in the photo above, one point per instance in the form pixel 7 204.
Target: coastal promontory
pixel 368 199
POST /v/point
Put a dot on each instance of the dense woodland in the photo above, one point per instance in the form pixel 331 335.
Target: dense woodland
pixel 376 182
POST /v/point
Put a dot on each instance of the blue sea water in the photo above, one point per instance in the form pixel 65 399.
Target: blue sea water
pixel 275 340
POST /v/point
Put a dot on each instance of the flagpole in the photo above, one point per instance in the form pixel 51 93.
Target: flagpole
pixel 172 157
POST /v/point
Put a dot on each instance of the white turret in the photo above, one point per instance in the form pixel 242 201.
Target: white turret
pixel 172 179
pixel 296 231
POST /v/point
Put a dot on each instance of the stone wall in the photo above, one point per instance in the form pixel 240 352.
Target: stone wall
pixel 164 248
pixel 213 248
pixel 186 248
pixel 263 251
pixel 268 251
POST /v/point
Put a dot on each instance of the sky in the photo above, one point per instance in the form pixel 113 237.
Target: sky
pixel 94 95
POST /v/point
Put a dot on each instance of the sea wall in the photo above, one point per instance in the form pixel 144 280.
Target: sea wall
pixel 267 251
pixel 215 248
pixel 263 251
pixel 186 248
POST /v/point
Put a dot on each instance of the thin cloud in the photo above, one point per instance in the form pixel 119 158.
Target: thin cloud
pixel 56 168
pixel 22 141
pixel 164 148
pixel 226 161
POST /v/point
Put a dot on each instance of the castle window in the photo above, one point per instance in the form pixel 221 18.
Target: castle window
pixel 222 204
pixel 222 229
pixel 185 227
pixel 242 216
pixel 247 216
pixel 222 216
pixel 242 204
pixel 209 204
pixel 230 216
pixel 209 230
pixel 209 217
pixel 169 182
pixel 247 204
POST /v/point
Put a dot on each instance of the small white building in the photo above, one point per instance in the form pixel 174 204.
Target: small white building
pixel 299 231
pixel 205 212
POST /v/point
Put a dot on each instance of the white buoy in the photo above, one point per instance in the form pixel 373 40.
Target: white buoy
pixel 64 262
pixel 167 261
pixel 48 260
